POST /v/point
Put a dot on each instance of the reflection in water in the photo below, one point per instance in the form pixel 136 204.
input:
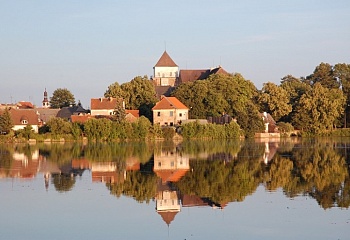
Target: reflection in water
pixel 191 174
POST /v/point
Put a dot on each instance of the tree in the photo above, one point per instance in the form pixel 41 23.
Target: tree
pixel 62 97
pixel 114 90
pixel 274 100
pixel 119 111
pixel 6 122
pixel 324 74
pixel 319 109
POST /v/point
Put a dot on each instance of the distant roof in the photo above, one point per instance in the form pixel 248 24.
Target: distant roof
pixel 104 103
pixel 29 115
pixel 165 61
pixel 135 113
pixel 169 103
pixel 163 90
pixel 24 105
pixel 199 74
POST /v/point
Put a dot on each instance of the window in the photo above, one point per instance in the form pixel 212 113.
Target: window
pixel 171 113
pixel 158 114
pixel 171 74
pixel 158 74
pixel 180 114
pixel 159 164
pixel 171 124
pixel 172 164
pixel 24 122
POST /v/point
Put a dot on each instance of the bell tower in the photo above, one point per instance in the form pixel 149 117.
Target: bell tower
pixel 46 103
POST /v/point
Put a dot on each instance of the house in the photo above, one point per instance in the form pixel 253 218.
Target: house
pixel 23 117
pixel 271 129
pixel 198 74
pixel 169 111
pixel 45 114
pixel 105 106
pixel 68 112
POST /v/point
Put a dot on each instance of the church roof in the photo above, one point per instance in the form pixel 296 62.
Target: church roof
pixel 165 61
pixel 199 74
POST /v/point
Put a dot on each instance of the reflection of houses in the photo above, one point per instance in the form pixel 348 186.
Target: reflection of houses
pixel 170 166
pixel 106 172
pixel 23 166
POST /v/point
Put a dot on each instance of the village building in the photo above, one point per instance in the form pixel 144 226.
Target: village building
pixel 169 111
pixel 105 106
pixel 24 117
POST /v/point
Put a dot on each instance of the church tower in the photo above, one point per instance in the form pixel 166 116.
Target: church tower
pixel 46 103
pixel 165 72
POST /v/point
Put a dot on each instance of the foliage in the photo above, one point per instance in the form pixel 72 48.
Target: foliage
pixel 324 75
pixel 6 123
pixel 62 97
pixel 319 109
pixel 27 132
pixel 59 126
pixel 119 111
pixel 274 100
pixel 213 131
pixel 168 132
pixel 139 94
pixel 285 127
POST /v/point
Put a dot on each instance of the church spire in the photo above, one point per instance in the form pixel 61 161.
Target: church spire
pixel 46 103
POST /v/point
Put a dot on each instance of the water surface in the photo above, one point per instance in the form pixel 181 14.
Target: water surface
pixel 277 189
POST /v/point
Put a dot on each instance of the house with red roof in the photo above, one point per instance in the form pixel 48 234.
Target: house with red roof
pixel 169 111
pixel 105 106
pixel 23 117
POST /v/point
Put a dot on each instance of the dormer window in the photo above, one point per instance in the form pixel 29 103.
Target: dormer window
pixel 24 121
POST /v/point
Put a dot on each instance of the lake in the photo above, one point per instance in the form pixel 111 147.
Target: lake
pixel 261 189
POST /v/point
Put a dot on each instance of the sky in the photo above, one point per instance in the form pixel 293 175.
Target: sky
pixel 85 46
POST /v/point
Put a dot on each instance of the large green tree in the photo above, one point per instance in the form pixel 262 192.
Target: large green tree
pixel 230 94
pixel 319 109
pixel 6 122
pixel 324 74
pixel 274 100
pixel 139 94
pixel 62 97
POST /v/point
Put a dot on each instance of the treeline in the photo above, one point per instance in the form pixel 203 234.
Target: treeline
pixel 314 104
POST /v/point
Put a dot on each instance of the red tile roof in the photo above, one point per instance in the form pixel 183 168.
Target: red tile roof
pixel 169 103
pixel 171 175
pixel 165 61
pixel 18 115
pixel 105 103
pixel 135 113
pixel 24 105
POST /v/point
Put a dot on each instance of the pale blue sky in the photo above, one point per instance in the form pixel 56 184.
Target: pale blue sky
pixel 85 46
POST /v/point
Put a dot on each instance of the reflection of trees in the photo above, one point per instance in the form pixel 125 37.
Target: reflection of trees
pixel 6 158
pixel 141 186
pixel 211 147
pixel 319 170
pixel 222 181
pixel 63 182
pixel 118 151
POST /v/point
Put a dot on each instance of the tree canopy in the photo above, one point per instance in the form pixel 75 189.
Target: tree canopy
pixel 6 122
pixel 62 97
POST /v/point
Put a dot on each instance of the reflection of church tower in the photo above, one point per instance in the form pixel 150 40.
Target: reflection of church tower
pixel 46 103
